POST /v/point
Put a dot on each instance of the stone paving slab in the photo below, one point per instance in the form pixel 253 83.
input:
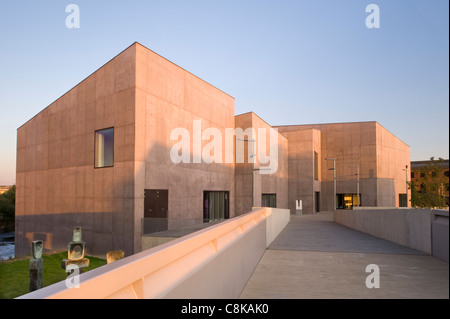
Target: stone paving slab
pixel 314 258
pixel 319 233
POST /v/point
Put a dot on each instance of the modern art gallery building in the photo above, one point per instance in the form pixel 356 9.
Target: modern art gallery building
pixel 143 142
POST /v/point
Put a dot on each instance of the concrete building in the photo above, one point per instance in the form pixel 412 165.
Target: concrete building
pixel 144 144
pixel 368 161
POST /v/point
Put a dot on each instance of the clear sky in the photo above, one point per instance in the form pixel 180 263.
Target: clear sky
pixel 289 61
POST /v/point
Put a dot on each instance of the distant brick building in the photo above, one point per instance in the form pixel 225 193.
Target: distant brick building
pixel 420 170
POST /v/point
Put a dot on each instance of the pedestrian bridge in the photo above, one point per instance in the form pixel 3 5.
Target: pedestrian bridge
pixel 215 262
pixel 269 253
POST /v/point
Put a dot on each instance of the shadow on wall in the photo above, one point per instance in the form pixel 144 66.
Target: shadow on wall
pixel 97 232
pixel 111 200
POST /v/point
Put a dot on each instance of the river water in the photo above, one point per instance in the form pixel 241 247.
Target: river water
pixel 6 245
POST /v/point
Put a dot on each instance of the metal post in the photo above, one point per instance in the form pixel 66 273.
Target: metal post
pixel 357 184
pixel 334 180
pixel 253 179
pixel 406 179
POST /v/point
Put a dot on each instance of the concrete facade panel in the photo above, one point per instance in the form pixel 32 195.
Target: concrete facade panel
pixel 60 188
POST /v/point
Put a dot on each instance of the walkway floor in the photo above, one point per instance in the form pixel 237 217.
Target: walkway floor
pixel 315 258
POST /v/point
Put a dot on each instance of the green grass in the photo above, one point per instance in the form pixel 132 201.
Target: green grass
pixel 14 274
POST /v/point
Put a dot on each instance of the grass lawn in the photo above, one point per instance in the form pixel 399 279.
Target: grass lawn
pixel 14 274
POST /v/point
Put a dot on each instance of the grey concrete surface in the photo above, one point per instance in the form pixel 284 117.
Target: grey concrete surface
pixel 314 258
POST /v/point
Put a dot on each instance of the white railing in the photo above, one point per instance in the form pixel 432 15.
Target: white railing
pixel 186 267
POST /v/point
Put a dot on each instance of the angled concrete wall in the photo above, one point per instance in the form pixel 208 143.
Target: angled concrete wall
pixel 392 157
pixel 58 187
pixel 302 184
pixel 276 183
pixel 169 98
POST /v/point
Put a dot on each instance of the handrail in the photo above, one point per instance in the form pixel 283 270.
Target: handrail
pixel 155 272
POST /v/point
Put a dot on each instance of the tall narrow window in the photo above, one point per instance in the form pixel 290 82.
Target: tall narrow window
pixel 104 148
pixel 402 200
pixel 216 205
pixel 316 166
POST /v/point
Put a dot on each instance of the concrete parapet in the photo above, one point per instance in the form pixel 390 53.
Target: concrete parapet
pixel 277 219
pixel 215 262
pixel 440 231
pixel 407 227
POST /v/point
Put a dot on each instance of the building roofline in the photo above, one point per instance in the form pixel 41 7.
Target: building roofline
pixel 182 68
pixel 103 65
pixel 333 123
pixel 376 123
pixel 417 164
pixel 77 84
pixel 393 134
pixel 251 112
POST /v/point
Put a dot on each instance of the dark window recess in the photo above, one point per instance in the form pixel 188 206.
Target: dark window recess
pixel 269 200
pixel 216 205
pixel 402 200
pixel 316 166
pixel 317 206
pixel 156 204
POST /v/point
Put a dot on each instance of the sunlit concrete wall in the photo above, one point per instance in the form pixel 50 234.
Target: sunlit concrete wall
pixel 302 183
pixel 144 97
pixel 276 183
pixel 393 155
pixel 58 187
pixel 168 98
pixel 380 156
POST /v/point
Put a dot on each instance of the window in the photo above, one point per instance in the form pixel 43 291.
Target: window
pixel 347 201
pixel 216 205
pixel 412 175
pixel 104 148
pixel 402 200
pixel 269 200
pixel 316 166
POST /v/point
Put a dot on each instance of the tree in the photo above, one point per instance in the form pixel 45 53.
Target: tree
pixel 7 209
pixel 428 191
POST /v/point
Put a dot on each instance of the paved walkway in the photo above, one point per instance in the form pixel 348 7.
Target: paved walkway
pixel 315 258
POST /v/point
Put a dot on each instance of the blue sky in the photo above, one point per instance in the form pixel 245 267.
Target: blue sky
pixel 291 62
